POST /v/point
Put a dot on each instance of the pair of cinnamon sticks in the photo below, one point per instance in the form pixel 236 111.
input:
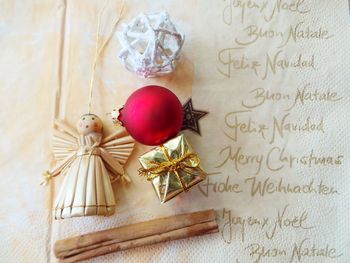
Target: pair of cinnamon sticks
pixel 131 236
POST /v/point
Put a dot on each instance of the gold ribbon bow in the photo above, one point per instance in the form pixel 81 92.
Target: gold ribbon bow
pixel 188 160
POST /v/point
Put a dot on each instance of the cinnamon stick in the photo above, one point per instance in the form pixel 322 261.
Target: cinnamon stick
pixel 130 236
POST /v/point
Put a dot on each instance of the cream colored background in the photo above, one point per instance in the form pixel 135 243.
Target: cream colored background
pixel 46 52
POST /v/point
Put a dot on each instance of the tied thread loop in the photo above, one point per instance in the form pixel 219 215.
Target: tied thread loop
pixel 188 160
pixel 47 178
pixel 125 179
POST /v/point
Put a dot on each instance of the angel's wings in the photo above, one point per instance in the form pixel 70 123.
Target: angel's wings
pixel 119 145
pixel 64 141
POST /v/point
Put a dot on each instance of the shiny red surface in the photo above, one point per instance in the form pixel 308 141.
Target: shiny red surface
pixel 152 115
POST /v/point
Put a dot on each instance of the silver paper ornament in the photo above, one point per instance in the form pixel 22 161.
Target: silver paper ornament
pixel 151 44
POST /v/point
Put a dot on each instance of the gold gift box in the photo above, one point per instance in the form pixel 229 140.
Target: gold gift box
pixel 172 168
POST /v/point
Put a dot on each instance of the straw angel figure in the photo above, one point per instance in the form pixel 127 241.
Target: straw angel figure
pixel 89 163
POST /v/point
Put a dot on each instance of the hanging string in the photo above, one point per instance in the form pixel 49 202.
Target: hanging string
pixel 98 51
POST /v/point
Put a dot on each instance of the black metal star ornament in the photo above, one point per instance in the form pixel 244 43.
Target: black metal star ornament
pixel 191 117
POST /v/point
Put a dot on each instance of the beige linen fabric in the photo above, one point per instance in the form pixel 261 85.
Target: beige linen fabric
pixel 47 50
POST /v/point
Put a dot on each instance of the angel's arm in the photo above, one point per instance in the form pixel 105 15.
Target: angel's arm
pixel 116 149
pixel 65 145
pixel 113 166
pixel 58 168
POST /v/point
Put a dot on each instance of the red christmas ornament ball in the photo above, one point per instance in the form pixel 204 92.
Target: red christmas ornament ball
pixel 152 115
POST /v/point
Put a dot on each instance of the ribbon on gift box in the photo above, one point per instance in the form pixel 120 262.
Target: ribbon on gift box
pixel 188 160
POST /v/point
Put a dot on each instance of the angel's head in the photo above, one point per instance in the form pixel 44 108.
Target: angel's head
pixel 89 123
